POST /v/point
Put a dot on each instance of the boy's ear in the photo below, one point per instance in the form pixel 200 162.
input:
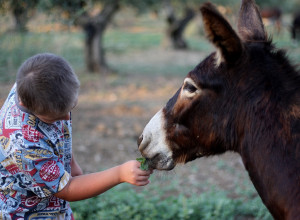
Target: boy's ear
pixel 21 103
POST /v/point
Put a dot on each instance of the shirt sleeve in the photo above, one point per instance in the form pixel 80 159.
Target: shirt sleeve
pixel 42 164
pixel 44 170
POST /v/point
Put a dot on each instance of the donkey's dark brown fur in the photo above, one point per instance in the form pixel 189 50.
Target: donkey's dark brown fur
pixel 243 98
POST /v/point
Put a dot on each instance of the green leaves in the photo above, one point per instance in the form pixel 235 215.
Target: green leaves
pixel 144 164
pixel 127 203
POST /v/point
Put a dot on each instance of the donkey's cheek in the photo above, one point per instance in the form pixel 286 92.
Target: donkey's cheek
pixel 153 140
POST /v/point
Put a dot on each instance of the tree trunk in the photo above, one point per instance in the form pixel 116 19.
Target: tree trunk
pixel 20 17
pixel 22 11
pixel 94 28
pixel 177 26
pixel 20 21
pixel 94 52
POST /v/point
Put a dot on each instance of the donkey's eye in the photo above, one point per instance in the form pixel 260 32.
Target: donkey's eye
pixel 190 88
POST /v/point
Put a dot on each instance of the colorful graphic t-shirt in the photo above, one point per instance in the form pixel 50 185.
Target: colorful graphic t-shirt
pixel 35 160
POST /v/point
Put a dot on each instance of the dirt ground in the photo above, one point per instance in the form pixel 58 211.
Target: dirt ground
pixel 113 110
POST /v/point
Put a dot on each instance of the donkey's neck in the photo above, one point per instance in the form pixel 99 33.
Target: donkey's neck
pixel 274 171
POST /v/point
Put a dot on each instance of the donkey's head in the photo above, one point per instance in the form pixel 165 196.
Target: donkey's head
pixel 213 110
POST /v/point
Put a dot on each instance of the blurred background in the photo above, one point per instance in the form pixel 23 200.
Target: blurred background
pixel 131 56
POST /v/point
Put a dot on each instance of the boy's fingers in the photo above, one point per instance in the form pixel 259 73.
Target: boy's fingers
pixel 143 183
pixel 146 173
pixel 143 178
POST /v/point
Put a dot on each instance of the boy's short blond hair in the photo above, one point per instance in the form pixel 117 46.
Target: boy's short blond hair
pixel 47 85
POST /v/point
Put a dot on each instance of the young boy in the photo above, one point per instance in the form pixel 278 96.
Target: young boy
pixel 39 174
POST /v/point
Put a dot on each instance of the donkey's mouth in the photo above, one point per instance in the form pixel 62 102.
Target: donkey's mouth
pixel 160 162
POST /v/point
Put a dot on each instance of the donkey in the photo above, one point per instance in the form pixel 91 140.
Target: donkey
pixel 245 98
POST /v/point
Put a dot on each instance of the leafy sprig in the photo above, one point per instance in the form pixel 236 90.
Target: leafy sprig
pixel 144 164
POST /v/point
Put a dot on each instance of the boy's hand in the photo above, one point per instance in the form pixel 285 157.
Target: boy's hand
pixel 130 172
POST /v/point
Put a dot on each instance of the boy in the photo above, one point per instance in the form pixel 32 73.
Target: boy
pixel 39 174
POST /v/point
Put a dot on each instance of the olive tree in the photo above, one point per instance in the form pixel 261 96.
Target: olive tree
pixel 94 26
pixel 176 24
pixel 21 11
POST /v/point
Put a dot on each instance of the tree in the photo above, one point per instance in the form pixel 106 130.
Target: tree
pixel 21 10
pixel 176 26
pixel 94 26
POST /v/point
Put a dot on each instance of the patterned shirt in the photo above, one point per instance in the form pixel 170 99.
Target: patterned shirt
pixel 35 163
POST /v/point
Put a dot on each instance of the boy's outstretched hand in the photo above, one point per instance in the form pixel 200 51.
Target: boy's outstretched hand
pixel 90 185
pixel 130 172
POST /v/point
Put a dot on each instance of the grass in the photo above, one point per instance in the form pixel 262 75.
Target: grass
pixel 118 41
pixel 123 202
pixel 17 47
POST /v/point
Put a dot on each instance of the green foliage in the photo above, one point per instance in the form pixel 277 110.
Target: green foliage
pixel 10 5
pixel 123 202
pixel 73 7
pixel 64 5
pixel 142 6
pixel 144 164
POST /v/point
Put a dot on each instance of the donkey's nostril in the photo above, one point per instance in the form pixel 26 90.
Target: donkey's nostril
pixel 139 141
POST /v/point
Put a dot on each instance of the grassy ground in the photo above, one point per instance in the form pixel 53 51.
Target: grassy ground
pixel 112 111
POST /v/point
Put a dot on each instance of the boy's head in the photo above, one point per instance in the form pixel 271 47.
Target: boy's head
pixel 47 85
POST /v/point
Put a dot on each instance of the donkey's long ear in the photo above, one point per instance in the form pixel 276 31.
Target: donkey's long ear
pixel 221 34
pixel 250 25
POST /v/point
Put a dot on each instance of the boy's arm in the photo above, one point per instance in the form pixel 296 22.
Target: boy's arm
pixel 90 185
pixel 75 168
